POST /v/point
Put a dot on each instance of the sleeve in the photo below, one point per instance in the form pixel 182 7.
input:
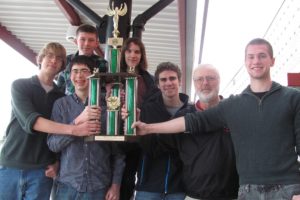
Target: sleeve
pixel 61 80
pixel 22 105
pixel 297 124
pixel 118 164
pixel 57 143
pixel 206 121
pixel 61 83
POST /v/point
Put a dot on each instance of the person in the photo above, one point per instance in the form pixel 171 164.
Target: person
pixel 99 165
pixel 27 166
pixel 133 55
pixel 264 121
pixel 217 179
pixel 160 175
pixel 87 42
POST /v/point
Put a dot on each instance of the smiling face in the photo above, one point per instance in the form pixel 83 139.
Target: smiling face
pixel 206 82
pixel 51 63
pixel 258 62
pixel 79 74
pixel 169 84
pixel 86 43
pixel 133 55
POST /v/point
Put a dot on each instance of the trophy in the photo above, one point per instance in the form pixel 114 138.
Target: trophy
pixel 130 100
pixel 115 77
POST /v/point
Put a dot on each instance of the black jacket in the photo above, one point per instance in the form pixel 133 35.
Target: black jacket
pixel 209 170
pixel 159 173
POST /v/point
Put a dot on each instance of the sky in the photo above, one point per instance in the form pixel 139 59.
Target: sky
pixel 231 24
pixel 16 66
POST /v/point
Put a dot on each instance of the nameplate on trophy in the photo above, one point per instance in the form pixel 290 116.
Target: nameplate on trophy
pixel 115 41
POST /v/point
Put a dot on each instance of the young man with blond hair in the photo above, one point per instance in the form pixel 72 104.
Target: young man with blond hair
pixel 27 166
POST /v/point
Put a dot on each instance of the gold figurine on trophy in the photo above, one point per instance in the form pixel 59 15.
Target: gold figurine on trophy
pixel 116 12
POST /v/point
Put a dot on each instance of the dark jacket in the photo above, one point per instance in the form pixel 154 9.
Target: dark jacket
pixel 132 150
pixel 160 173
pixel 151 87
pixel 209 170
pixel 264 132
pixel 25 148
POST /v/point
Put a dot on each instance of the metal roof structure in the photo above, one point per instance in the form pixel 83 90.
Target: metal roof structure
pixel 28 25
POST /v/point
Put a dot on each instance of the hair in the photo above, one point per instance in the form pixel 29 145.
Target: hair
pixel 83 60
pixel 166 66
pixel 57 48
pixel 143 65
pixel 86 28
pixel 206 66
pixel 260 41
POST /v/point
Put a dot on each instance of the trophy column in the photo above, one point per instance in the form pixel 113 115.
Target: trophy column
pixel 113 101
pixel 131 94
pixel 94 91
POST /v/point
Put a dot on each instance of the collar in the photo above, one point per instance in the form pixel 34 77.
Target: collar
pixel 275 86
pixel 199 107
pixel 78 100
pixel 35 80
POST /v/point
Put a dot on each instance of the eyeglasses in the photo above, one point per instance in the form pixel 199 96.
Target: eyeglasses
pixel 50 56
pixel 207 78
pixel 171 78
pixel 81 71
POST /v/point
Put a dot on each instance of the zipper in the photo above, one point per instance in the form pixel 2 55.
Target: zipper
pixel 167 175
pixel 142 170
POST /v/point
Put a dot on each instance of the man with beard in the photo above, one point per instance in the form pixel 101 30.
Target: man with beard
pixel 209 170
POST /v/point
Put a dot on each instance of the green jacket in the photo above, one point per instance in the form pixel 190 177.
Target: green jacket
pixel 23 147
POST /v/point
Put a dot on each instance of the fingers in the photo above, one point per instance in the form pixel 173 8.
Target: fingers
pixel 94 127
pixel 124 113
pixel 135 124
pixel 50 172
pixel 92 112
pixel 138 113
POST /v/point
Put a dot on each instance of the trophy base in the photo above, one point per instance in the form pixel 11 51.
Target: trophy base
pixel 117 138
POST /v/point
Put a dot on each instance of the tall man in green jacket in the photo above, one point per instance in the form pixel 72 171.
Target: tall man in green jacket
pixel 264 121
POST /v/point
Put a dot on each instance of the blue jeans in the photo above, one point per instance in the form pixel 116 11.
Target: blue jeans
pixel 66 192
pixel 268 192
pixel 20 184
pixel 141 195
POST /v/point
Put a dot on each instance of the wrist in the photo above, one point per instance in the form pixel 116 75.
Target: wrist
pixel 72 128
pixel 148 128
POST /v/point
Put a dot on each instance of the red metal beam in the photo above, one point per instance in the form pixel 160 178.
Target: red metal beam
pixel 17 44
pixel 69 12
pixel 182 37
pixel 293 79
